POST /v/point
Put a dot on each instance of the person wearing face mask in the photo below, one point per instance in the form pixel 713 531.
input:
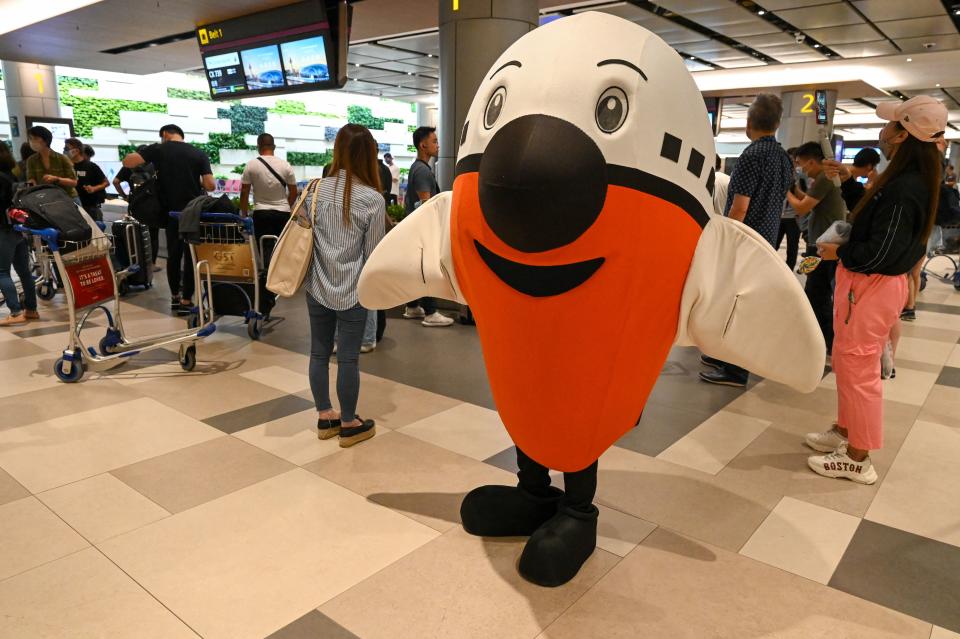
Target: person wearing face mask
pixel 46 166
pixel 91 181
pixel 891 225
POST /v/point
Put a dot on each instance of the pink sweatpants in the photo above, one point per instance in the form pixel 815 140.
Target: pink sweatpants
pixel 865 308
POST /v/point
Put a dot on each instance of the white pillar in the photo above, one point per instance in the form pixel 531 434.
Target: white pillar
pixel 31 91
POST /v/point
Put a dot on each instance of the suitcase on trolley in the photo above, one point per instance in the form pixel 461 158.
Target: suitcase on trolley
pixel 131 241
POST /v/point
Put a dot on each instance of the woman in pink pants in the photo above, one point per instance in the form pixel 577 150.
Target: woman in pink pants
pixel 891 225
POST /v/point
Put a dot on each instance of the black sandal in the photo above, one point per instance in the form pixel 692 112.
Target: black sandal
pixel 350 435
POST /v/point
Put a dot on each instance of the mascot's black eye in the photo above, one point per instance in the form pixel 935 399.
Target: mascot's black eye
pixel 463 136
pixel 494 107
pixel 612 109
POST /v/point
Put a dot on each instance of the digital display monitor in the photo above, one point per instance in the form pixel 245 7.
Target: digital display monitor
pixel 305 61
pixel 821 100
pixel 225 74
pixel 294 48
pixel 714 107
pixel 262 68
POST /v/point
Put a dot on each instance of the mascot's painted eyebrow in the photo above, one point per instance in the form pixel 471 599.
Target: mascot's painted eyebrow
pixel 512 63
pixel 629 65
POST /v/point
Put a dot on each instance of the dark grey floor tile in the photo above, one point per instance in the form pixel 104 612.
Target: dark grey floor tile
pixel 915 575
pixel 505 459
pixel 661 426
pixel 938 308
pixel 313 625
pixel 949 376
pixel 45 330
pixel 237 420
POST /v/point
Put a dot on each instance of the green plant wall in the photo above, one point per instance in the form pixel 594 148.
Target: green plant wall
pixel 188 94
pixel 244 119
pixel 92 112
pixel 299 158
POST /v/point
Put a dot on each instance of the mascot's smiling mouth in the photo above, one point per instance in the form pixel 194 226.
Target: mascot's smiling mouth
pixel 538 281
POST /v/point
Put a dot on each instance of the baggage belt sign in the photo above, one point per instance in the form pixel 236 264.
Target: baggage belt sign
pixel 92 281
pixel 227 260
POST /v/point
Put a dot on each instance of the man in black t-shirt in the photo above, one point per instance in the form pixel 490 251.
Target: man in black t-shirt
pixel 91 181
pixel 183 173
pixel 864 166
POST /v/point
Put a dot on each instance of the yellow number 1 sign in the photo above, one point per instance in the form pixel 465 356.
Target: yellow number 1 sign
pixel 456 5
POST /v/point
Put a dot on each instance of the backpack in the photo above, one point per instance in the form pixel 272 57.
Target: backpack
pixel 143 203
pixel 49 206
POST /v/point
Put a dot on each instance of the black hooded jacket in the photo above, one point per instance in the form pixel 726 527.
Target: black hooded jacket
pixel 887 235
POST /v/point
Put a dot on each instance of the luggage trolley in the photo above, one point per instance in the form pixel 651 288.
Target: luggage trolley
pixel 947 260
pixel 89 283
pixel 232 257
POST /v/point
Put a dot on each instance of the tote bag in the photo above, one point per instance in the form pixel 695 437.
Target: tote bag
pixel 294 250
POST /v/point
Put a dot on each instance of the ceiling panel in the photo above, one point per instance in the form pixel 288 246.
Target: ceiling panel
pixel 366 73
pixel 917 27
pixel 780 5
pixel 880 10
pixel 707 46
pixel 769 40
pixel 942 43
pixel 403 67
pixel 851 34
pixel 743 28
pixel 865 49
pixel 382 53
pixel 695 6
pixel 827 15
pixel 802 56
pixel 693 65
pixel 426 43
pixel 624 10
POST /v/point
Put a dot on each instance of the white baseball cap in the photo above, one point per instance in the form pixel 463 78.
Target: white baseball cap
pixel 923 117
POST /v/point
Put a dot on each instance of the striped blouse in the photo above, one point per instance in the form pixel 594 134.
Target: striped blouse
pixel 340 251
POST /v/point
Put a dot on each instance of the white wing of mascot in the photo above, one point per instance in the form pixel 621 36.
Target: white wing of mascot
pixel 578 232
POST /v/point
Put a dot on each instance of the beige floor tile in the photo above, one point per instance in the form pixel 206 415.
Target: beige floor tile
pixel 395 405
pixel 466 429
pixel 671 586
pixel 31 535
pixel 245 356
pixel 19 348
pixel 473 590
pixel 909 387
pixel 421 480
pixel 619 533
pixel 922 350
pixel 267 555
pixel 66 449
pixel 26 374
pixel 283 379
pixel 802 538
pixel 60 400
pixel 715 442
pixel 943 633
pixel 717 509
pixel 942 406
pixel 208 395
pixel 10 489
pixel 194 475
pixel 954 359
pixel 293 438
pixel 948 335
pixel 919 494
pixel 102 507
pixel 937 320
pixel 83 596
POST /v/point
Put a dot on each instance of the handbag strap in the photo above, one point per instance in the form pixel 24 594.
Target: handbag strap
pixel 272 171
pixel 311 189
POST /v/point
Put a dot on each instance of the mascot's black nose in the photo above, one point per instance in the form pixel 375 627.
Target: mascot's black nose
pixel 543 182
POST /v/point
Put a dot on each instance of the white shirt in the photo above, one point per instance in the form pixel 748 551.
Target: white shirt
pixel 395 175
pixel 721 184
pixel 268 193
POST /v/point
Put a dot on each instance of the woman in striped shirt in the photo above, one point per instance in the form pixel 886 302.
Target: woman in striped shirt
pixel 350 222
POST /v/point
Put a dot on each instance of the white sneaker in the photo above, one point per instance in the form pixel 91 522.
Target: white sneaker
pixel 413 312
pixel 366 348
pixel 839 466
pixel 436 319
pixel 825 442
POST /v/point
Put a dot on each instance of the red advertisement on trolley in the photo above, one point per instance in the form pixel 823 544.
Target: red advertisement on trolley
pixel 92 281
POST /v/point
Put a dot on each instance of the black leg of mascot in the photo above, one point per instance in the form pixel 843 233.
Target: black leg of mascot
pixel 561 524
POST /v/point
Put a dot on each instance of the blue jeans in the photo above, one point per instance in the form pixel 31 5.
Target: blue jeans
pixel 13 252
pixel 369 330
pixel 348 327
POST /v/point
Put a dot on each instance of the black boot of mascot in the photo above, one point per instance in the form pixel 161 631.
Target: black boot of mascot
pixel 561 524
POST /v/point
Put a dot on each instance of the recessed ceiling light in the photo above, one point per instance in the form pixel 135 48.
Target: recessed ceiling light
pixel 761 12
pixel 938 84
pixel 355 64
pixel 429 55
pixel 692 58
pixel 957 12
pixel 909 59
pixel 816 46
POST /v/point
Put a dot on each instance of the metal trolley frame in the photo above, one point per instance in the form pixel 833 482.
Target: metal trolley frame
pixel 231 256
pixel 948 277
pixel 89 284
pixel 41 264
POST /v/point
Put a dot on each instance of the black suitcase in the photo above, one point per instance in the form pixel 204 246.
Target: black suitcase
pixel 138 252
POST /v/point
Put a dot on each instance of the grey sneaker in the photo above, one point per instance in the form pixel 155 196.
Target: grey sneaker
pixel 414 312
pixel 825 442
pixel 436 319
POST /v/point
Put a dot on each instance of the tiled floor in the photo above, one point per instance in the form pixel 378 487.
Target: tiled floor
pixel 146 502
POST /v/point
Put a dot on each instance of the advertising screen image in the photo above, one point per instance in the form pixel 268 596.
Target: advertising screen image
pixel 261 66
pixel 305 61
pixel 224 73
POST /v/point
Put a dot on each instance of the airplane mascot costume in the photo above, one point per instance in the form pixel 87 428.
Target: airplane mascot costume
pixel 579 231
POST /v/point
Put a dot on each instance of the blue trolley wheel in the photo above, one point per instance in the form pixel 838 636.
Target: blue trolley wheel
pixel 254 328
pixel 46 291
pixel 76 371
pixel 188 358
